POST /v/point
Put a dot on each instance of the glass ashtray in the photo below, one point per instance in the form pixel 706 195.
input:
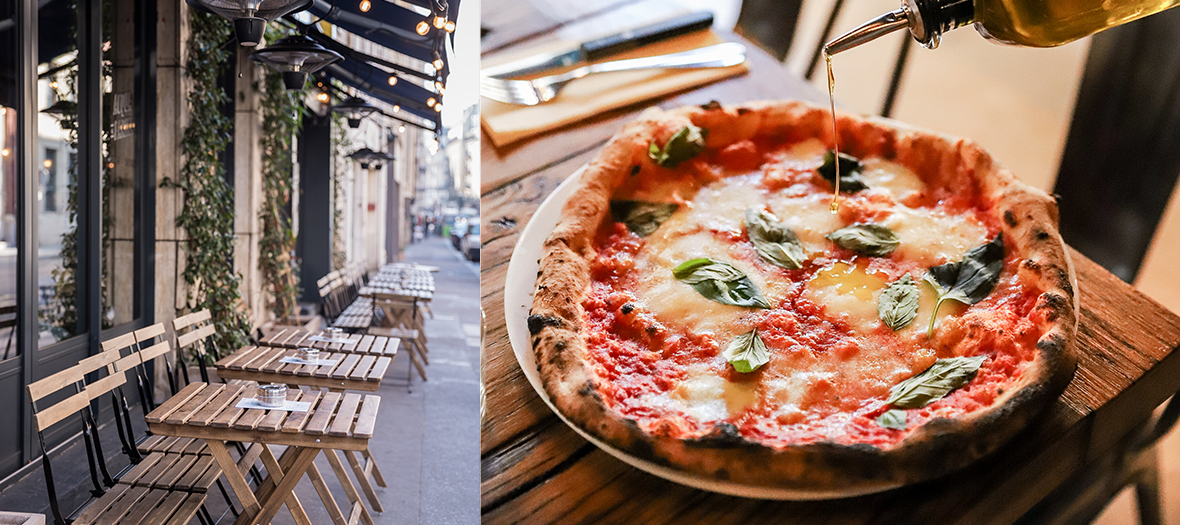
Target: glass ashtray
pixel 308 354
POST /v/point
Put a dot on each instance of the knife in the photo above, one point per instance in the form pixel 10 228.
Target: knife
pixel 603 47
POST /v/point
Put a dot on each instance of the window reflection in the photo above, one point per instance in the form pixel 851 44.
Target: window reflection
pixel 118 165
pixel 57 257
pixel 8 173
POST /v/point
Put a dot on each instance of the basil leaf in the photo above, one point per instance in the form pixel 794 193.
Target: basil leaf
pixel 943 377
pixel 642 217
pixel 772 240
pixel 747 352
pixel 683 145
pixel 969 280
pixel 720 282
pixel 873 240
pixel 893 418
pixel 898 305
pixel 850 168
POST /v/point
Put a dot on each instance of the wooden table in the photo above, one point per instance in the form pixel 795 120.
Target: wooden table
pixel 349 372
pixel 262 364
pixel 536 470
pixel 334 422
pixel 360 344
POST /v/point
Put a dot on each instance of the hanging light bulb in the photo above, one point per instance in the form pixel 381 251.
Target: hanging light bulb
pixel 392 80
pixel 422 28
pixel 365 6
pixel 438 86
pixel 53 84
pixel 356 108
pixel 449 27
pixel 396 108
pixel 400 129
pixel 438 108
pixel 430 102
pixel 322 97
pixel 439 22
pixel 4 152
pixel 250 16
pixel 295 57
pixel 438 64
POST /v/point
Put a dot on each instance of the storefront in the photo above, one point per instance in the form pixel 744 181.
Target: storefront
pixel 77 166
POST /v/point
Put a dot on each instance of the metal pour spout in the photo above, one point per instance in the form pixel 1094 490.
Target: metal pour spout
pixel 871 30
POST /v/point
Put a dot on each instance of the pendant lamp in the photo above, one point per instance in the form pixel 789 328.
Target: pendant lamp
pixel 250 16
pixel 356 108
pixel 295 57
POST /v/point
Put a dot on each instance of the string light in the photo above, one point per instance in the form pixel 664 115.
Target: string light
pixel 53 84
pixel 400 129
pixel 438 108
pixel 3 110
pixel 322 97
pixel 438 85
pixel 4 152
pixel 422 28
pixel 439 22
pixel 392 80
pixel 111 165
pixel 438 63
pixel 396 108
pixel 430 102
pixel 365 5
pixel 449 27
pixel 48 163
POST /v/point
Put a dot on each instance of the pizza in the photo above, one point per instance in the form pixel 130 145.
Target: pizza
pixel 705 304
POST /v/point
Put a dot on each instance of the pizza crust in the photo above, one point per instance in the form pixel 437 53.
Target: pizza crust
pixel 822 469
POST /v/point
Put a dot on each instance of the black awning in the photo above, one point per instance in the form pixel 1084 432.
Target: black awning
pixel 382 91
pixel 389 25
pixel 408 90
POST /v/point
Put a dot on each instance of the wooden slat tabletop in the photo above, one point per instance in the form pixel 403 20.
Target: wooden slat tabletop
pixel 378 345
pixel 207 411
pixel 356 371
pixel 537 470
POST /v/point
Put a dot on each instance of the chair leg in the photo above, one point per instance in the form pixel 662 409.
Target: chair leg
pixel 895 80
pixel 1147 490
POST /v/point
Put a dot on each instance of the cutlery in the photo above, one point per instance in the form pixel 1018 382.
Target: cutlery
pixel 601 48
pixel 538 90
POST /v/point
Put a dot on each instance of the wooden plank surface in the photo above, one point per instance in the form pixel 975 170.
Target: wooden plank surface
pixel 535 469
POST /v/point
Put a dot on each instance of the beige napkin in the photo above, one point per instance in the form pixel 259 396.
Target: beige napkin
pixel 598 93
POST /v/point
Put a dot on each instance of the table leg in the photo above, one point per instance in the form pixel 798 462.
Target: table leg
pixel 317 480
pixel 237 481
pixel 362 479
pixel 349 489
pixel 284 491
pixel 376 471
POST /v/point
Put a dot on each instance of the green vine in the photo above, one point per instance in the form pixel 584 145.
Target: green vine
pixel 340 146
pixel 282 116
pixel 208 212
pixel 60 316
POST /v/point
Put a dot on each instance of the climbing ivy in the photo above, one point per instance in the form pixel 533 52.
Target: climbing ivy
pixel 60 314
pixel 207 215
pixel 341 163
pixel 282 116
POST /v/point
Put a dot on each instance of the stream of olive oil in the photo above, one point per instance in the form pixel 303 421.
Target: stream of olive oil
pixel 835 136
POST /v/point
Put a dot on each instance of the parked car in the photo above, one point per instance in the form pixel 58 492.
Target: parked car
pixel 470 242
pixel 458 230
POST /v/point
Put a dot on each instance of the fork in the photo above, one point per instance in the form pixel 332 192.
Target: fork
pixel 544 89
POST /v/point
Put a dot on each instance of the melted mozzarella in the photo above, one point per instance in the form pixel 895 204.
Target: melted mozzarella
pixel 707 396
pixel 932 237
pixel 809 216
pixel 892 178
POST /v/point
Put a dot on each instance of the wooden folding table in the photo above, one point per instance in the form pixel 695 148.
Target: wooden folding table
pixel 333 422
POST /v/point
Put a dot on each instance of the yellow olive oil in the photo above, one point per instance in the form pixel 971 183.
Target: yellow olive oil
pixel 1048 23
pixel 835 207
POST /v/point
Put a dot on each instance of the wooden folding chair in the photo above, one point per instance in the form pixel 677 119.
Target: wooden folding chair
pixel 121 501
pixel 158 461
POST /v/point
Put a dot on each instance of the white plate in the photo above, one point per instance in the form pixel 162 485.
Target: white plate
pixel 518 297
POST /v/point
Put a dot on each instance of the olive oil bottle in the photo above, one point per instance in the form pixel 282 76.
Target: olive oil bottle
pixel 1030 23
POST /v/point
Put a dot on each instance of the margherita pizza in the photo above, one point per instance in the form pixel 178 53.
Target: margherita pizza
pixel 700 304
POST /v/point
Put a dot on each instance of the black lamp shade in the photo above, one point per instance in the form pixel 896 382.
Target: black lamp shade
pixel 363 154
pixel 356 108
pixel 250 16
pixel 295 57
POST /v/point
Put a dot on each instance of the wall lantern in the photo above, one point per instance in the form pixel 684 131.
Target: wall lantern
pixel 295 57
pixel 250 16
pixel 356 108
